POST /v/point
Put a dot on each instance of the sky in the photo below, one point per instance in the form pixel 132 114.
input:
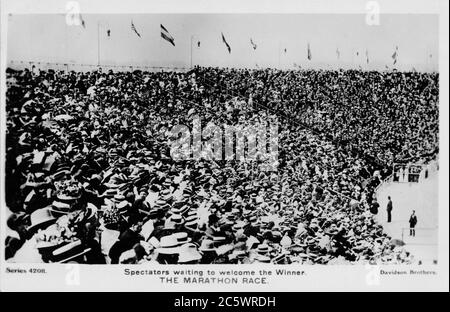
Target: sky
pixel 48 38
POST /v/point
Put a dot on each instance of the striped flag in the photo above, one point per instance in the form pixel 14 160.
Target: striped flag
pixel 226 43
pixel 135 30
pixel 309 52
pixel 253 44
pixel 395 55
pixel 166 35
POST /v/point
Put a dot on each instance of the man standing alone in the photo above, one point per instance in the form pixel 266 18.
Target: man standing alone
pixel 412 224
pixel 389 209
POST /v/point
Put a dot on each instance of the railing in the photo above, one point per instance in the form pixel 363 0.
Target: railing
pixel 385 180
pixel 89 67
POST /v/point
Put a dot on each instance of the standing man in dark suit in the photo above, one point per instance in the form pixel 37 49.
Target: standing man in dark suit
pixel 412 224
pixel 389 209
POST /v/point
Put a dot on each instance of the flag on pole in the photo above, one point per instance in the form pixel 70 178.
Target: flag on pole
pixel 253 44
pixel 309 52
pixel 226 43
pixel 82 21
pixel 135 30
pixel 166 35
pixel 395 55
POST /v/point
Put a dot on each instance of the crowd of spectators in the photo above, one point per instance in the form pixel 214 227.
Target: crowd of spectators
pixel 90 177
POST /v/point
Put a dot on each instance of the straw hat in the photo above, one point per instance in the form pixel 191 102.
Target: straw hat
pixel 279 259
pixel 123 205
pixel 182 238
pixel 189 253
pixel 180 210
pixel 67 198
pixel 60 208
pixel 262 259
pixel 192 212
pixel 119 197
pixel 177 219
pixel 239 225
pixel 69 252
pixel 218 240
pixel 168 245
pixel 207 245
pixel 41 219
pixel 191 221
pixel 263 249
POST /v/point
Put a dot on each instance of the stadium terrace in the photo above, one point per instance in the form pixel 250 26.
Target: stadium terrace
pixel 90 178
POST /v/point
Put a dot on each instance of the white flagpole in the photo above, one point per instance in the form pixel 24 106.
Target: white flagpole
pixel 98 43
pixel 67 58
pixel 192 37
pixel 279 54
